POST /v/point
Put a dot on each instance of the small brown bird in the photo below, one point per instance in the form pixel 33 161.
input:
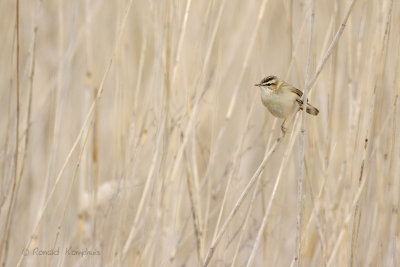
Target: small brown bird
pixel 282 99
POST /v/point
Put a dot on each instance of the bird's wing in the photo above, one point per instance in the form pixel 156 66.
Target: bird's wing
pixel 296 91
pixel 299 93
pixel 299 101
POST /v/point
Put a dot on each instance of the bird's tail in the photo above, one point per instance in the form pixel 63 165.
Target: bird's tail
pixel 311 110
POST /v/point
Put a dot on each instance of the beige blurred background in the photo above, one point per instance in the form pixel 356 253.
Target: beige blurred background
pixel 135 127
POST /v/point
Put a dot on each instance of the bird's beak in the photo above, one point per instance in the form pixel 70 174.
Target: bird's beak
pixel 257 84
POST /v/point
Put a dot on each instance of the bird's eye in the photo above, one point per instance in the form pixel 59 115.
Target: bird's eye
pixel 269 84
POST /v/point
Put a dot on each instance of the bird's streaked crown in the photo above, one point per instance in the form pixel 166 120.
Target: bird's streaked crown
pixel 268 81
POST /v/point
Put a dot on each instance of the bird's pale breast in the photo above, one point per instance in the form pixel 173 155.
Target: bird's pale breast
pixel 280 104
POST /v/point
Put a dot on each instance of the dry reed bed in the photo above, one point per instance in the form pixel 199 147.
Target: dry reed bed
pixel 133 129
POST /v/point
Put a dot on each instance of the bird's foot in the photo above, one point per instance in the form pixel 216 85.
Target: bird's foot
pixel 283 129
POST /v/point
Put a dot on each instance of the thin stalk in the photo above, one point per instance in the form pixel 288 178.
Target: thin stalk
pixel 301 143
pixel 6 232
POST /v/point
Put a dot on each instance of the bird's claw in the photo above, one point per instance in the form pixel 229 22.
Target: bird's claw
pixel 283 129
